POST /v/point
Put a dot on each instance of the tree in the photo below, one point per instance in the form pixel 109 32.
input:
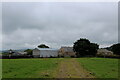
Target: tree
pixel 93 48
pixel 83 47
pixel 29 51
pixel 116 48
pixel 43 46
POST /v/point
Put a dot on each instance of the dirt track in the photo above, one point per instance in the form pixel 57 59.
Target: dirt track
pixel 70 68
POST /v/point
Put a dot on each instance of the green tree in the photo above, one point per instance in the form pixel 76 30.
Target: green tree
pixel 43 46
pixel 29 51
pixel 116 48
pixel 83 47
pixel 93 48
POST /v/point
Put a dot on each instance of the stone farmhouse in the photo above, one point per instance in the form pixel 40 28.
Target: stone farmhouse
pixel 67 52
pixel 104 52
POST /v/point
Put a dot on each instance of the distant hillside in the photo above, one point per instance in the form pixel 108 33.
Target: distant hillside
pixel 13 50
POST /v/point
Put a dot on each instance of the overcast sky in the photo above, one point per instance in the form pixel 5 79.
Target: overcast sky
pixel 26 25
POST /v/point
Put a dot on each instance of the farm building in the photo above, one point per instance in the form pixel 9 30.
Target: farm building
pixel 15 52
pixel 104 52
pixel 18 53
pixel 67 52
pixel 45 52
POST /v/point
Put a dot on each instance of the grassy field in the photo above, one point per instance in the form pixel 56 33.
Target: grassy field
pixel 46 67
pixel 29 68
pixel 101 67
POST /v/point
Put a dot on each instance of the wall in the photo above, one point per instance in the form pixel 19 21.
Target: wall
pixel 48 53
pixel 36 53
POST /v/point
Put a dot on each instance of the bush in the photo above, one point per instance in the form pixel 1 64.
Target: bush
pixel 15 57
pixel 108 56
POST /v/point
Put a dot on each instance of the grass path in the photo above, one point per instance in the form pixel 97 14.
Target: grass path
pixel 70 68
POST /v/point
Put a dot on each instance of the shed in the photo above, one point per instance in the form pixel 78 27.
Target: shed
pixel 45 52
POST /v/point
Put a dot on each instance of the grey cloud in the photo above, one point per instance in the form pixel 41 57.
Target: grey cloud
pixel 25 25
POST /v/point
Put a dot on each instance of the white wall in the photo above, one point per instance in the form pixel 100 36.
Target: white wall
pixel 36 53
pixel 48 53
pixel 45 53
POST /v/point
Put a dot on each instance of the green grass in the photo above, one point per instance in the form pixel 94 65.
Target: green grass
pixel 29 68
pixel 46 67
pixel 101 67
pixel 0 68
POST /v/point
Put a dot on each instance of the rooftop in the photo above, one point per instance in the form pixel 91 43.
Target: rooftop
pixel 70 49
pixel 47 49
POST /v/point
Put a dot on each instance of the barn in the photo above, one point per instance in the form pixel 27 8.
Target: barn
pixel 45 52
pixel 67 52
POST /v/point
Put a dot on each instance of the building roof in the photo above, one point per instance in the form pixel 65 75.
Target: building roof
pixel 67 49
pixel 104 50
pixel 47 49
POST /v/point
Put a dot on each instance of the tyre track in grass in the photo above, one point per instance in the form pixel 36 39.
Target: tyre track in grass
pixel 71 68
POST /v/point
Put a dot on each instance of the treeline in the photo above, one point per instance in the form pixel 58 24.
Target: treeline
pixel 115 48
pixel 83 47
